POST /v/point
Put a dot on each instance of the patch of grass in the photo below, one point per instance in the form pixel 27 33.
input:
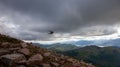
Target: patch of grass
pixel 4 38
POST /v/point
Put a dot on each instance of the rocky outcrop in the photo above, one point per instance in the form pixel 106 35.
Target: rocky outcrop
pixel 16 53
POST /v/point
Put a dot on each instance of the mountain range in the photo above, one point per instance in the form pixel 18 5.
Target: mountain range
pixel 58 46
pixel 108 56
pixel 102 43
pixel 99 56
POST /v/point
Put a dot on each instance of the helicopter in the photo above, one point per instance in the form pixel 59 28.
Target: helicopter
pixel 51 32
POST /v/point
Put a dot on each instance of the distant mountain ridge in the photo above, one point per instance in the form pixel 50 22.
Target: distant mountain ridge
pixel 58 46
pixel 82 43
pixel 100 56
pixel 111 42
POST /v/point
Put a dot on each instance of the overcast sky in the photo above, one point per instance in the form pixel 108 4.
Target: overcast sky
pixel 69 19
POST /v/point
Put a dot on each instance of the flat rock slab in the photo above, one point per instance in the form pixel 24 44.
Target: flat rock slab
pixel 4 51
pixel 24 51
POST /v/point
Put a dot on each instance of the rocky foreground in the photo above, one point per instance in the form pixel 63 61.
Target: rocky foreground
pixel 16 53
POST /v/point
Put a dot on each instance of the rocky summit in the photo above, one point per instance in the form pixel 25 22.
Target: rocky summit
pixel 17 53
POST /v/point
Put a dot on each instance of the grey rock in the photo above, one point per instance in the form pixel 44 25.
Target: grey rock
pixel 12 59
pixel 47 54
pixel 24 51
pixel 37 57
pixel 24 45
pixel 35 60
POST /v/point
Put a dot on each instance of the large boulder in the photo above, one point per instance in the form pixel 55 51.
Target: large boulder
pixel 35 60
pixel 24 45
pixel 12 59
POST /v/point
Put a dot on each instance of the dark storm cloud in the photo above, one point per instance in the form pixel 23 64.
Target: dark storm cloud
pixel 61 16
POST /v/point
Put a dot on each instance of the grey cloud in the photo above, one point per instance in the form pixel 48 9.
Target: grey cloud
pixel 97 31
pixel 36 17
